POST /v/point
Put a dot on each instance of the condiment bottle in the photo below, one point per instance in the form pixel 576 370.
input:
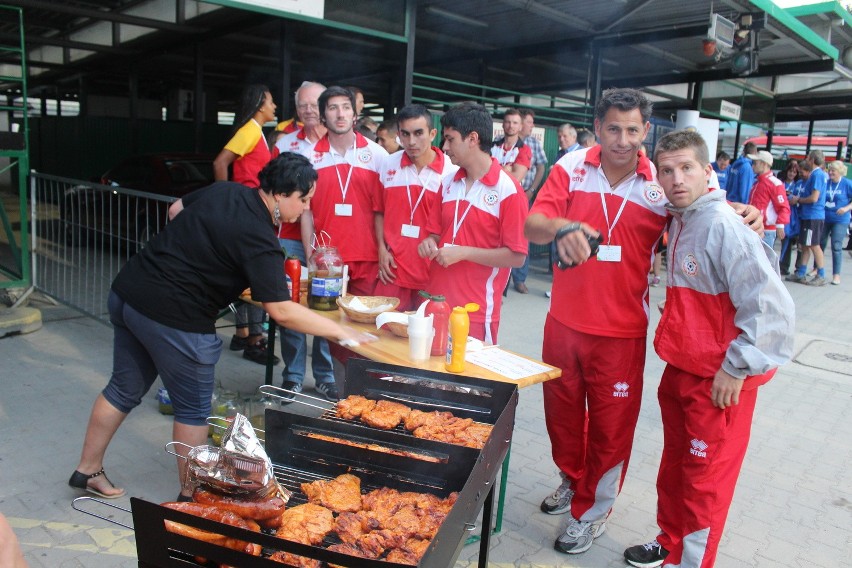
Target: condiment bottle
pixel 438 307
pixel 459 328
pixel 293 270
pixel 325 278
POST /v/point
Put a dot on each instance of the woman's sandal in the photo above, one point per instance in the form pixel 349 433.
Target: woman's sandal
pixel 81 481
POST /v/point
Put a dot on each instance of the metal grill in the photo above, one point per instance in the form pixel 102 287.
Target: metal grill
pixel 83 233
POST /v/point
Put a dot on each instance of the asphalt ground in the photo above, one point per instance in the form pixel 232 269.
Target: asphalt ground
pixel 793 505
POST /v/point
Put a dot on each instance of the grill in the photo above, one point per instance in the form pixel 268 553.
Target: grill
pixel 301 451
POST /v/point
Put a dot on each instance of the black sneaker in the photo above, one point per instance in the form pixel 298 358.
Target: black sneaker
pixel 329 391
pixel 238 343
pixel 294 388
pixel 257 353
pixel 646 555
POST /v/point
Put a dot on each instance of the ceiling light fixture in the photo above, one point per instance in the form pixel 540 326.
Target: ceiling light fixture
pixel 440 12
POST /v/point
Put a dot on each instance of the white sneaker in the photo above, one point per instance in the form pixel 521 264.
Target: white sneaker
pixel 579 535
pixel 560 501
pixel 547 293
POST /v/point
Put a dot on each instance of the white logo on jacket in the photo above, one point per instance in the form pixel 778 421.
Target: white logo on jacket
pixel 620 390
pixel 698 448
pixel 653 193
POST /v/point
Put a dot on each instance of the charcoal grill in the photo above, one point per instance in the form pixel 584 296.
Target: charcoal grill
pixel 415 465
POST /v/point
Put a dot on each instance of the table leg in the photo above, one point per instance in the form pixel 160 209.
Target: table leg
pixel 270 351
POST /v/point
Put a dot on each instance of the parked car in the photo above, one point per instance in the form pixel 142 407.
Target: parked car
pixel 129 203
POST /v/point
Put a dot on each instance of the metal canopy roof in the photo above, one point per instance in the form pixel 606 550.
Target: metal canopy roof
pixel 548 47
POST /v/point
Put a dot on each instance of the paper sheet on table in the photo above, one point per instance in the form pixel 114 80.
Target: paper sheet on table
pixel 504 363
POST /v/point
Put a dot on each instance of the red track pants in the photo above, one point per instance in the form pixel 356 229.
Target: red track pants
pixel 703 452
pixel 591 412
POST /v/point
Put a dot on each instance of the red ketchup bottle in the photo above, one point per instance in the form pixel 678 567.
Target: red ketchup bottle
pixel 293 270
pixel 438 307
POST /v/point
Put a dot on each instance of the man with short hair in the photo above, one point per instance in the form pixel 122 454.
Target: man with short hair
pixel 295 239
pixel 387 136
pixel 720 166
pixel 530 183
pixel 510 151
pixel 567 136
pixel 476 235
pixel 348 195
pixel 412 191
pixel 586 138
pixel 812 215
pixel 741 176
pixel 610 192
pixel 770 197
pixel 726 327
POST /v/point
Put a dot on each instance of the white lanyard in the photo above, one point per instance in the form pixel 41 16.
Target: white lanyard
pixel 415 205
pixel 457 223
pixel 343 188
pixel 832 192
pixel 506 153
pixel 611 228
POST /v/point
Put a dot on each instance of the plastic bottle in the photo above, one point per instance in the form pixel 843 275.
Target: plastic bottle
pixel 293 270
pixel 325 274
pixel 458 330
pixel 438 307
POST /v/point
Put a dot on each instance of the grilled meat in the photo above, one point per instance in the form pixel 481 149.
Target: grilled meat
pixel 340 494
pixel 385 415
pixel 410 553
pixel 308 524
pixel 351 407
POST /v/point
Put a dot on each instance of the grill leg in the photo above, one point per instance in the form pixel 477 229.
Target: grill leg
pixel 504 480
pixel 270 351
pixel 485 539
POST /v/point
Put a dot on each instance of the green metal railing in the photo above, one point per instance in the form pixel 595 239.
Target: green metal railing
pixel 15 146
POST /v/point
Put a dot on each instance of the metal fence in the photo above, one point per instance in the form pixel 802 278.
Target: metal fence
pixel 83 233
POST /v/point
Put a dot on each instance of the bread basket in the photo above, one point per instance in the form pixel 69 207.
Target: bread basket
pixel 372 302
pixel 398 329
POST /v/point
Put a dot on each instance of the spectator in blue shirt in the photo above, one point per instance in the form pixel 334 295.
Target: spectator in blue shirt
pixel 720 166
pixel 812 217
pixel 838 205
pixel 741 176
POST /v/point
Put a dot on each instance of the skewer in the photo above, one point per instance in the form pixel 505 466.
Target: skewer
pixel 274 391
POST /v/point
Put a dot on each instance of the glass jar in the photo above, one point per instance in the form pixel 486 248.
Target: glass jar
pixel 325 278
pixel 257 410
pixel 228 405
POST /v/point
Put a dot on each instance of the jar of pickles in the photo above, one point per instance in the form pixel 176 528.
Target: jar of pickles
pixel 228 405
pixel 325 278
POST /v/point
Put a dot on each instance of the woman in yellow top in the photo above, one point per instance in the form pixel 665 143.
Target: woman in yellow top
pixel 247 153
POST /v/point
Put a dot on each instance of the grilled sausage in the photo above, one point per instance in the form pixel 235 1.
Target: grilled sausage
pixel 259 510
pixel 214 514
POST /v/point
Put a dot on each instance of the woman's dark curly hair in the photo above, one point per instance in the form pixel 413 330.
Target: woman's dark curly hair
pixel 287 173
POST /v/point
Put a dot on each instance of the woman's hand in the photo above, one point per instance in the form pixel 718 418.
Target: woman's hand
pixel 350 337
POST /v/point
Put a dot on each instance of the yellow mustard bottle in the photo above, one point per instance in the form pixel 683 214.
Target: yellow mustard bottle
pixel 459 330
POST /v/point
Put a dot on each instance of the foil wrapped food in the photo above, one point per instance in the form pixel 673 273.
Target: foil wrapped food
pixel 240 468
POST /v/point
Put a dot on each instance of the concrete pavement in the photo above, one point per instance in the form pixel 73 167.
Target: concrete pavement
pixel 793 506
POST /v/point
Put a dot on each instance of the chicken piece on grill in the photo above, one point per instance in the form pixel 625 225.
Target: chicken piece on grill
pixel 375 543
pixel 386 415
pixel 476 435
pixel 308 524
pixel 351 407
pixel 410 553
pixel 418 418
pixel 382 502
pixel 295 560
pixel 351 526
pixel 340 494
pixel 351 550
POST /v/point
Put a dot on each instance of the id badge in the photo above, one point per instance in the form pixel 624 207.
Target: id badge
pixel 411 231
pixel 343 209
pixel 829 204
pixel 609 253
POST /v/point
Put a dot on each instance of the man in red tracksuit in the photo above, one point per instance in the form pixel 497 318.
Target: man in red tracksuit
pixel 769 195
pixel 726 326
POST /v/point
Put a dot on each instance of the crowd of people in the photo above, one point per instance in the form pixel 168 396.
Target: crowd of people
pixel 456 219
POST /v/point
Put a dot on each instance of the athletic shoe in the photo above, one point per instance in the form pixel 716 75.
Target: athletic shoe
pixel 646 555
pixel 836 280
pixel 257 353
pixel 560 501
pixel 796 278
pixel 548 293
pixel 294 388
pixel 578 536
pixel 238 343
pixel 328 390
pixel 817 281
pixel 655 281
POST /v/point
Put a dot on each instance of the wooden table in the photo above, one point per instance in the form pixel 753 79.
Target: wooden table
pixel 394 350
